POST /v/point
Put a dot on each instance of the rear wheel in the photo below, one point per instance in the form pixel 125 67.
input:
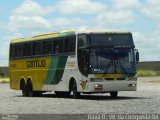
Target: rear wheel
pixel 75 93
pixel 24 89
pixel 114 94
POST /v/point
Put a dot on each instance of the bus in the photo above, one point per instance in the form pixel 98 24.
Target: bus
pixel 72 62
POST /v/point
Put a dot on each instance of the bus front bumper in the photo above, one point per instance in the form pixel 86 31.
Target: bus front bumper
pixel 109 86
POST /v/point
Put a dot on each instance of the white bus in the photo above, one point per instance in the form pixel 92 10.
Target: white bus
pixel 83 61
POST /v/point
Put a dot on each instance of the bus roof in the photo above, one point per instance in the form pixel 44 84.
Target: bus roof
pixel 45 36
pixel 98 31
pixel 68 33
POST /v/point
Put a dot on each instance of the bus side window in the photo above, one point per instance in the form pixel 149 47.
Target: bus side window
pixel 18 51
pixel 82 40
pixel 47 47
pixel 67 45
pixel 27 49
pixel 53 47
pixel 70 44
pixel 11 51
pixel 73 44
pixel 37 48
pixel 58 46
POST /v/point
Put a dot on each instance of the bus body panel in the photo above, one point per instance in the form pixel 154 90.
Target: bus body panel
pixel 35 69
pixel 70 71
pixel 54 74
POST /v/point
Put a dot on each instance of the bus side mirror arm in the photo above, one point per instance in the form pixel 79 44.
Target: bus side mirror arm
pixel 137 55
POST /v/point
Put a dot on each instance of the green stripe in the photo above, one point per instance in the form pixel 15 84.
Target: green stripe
pixel 56 71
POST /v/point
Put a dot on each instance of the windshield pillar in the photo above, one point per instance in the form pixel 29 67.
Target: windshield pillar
pixel 83 61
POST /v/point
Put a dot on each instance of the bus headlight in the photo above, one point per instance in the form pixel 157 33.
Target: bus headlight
pixel 98 87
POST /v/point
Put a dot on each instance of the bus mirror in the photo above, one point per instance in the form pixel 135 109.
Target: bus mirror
pixel 137 56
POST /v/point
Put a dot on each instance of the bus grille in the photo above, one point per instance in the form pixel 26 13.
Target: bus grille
pixel 115 79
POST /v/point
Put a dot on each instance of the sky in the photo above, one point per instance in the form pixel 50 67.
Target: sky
pixel 26 18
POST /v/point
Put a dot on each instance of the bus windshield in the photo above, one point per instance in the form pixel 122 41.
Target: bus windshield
pixel 112 60
pixel 111 39
pixel 108 53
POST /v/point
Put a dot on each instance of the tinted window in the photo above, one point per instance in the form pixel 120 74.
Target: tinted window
pixel 58 46
pixel 27 49
pixel 70 44
pixel 11 51
pixel 18 50
pixel 111 39
pixel 82 40
pixel 37 48
pixel 47 47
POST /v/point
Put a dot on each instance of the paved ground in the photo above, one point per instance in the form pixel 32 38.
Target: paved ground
pixel 145 100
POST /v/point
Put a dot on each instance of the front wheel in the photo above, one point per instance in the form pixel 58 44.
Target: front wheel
pixel 24 90
pixel 75 93
pixel 114 94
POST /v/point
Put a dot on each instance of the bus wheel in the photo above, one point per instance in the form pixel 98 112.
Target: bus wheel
pixel 75 93
pixel 30 89
pixel 113 94
pixel 24 89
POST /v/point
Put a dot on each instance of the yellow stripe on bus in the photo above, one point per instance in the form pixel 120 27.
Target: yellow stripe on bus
pixel 108 75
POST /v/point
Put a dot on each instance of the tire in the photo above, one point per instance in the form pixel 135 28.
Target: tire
pixel 114 94
pixel 75 93
pixel 30 89
pixel 24 89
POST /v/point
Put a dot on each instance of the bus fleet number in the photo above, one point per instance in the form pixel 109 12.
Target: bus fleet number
pixel 35 63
